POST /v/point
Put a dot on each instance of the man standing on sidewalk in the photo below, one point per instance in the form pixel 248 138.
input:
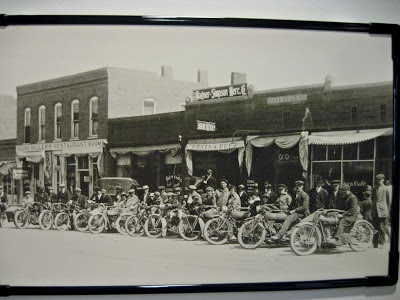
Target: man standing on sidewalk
pixel 380 210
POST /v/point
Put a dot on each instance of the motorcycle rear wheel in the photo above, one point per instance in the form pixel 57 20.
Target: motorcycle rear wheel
pixel 62 221
pixel 81 221
pixel 153 226
pixel 134 226
pixel 302 241
pixel 21 219
pixel 120 223
pixel 189 228
pixel 251 234
pixel 361 236
pixel 45 220
pixel 217 231
pixel 96 223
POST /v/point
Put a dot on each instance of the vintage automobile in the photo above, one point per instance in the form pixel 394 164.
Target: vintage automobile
pixel 109 183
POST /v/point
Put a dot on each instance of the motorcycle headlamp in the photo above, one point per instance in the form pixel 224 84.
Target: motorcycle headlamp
pixel 224 208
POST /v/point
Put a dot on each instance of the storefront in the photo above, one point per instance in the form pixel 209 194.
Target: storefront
pixel 150 165
pixel 7 180
pixel 354 157
pixel 74 163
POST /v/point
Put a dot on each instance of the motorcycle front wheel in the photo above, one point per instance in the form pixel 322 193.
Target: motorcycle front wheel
pixel 303 241
pixel 62 221
pixel 217 231
pixel 153 226
pixel 134 226
pixel 96 223
pixel 120 223
pixel 21 219
pixel 45 220
pixel 361 236
pixel 81 221
pixel 251 234
pixel 189 228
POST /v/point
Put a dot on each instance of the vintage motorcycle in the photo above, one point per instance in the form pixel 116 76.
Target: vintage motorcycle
pixel 104 218
pixel 82 217
pixel 121 220
pixel 134 225
pixel 28 214
pixel 318 229
pixel 261 227
pixel 47 216
pixel 65 218
pixel 191 226
pixel 220 229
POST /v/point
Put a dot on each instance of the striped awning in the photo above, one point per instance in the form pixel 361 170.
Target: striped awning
pixel 346 137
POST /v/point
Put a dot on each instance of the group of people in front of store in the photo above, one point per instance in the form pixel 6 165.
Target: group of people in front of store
pixel 374 203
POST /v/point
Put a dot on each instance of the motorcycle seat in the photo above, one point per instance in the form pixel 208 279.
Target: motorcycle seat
pixel 240 215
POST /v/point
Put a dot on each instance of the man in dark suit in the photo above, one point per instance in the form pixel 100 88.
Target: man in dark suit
pixel 380 210
pixel 319 197
pixel 351 212
pixel 300 209
pixel 269 197
pixel 63 196
pixel 79 199
pixel 335 197
pixel 105 198
pixel 146 193
pixel 244 198
pixel 41 196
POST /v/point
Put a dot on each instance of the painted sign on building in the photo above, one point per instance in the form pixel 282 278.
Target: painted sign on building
pixel 220 92
pixel 206 126
pixel 288 98
pixel 18 174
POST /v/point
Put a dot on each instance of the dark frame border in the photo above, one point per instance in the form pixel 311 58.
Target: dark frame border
pixel 372 28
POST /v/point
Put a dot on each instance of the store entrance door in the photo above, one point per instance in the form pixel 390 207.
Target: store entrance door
pixel 84 181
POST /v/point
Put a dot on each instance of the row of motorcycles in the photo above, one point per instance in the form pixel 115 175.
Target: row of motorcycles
pixel 216 225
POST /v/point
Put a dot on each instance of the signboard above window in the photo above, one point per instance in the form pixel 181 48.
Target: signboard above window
pixel 220 92
pixel 288 98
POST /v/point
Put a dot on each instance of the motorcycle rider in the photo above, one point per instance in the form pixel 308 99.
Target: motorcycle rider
pixel 27 200
pixel 319 197
pixel 105 198
pixel 254 200
pixel 53 197
pixel 365 204
pixel 63 196
pixel 244 197
pixel 350 215
pixel 97 194
pixel 163 194
pixel 336 196
pixel 300 209
pixel 146 193
pixel 133 199
pixel 118 191
pixel 41 196
pixel 284 199
pixel 222 194
pixel 269 197
pixel 79 199
pixel 234 199
pixel 194 198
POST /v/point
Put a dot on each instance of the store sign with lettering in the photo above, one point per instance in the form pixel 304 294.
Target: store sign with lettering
pixel 206 126
pixel 220 92
pixel 288 98
pixel 216 146
pixel 18 174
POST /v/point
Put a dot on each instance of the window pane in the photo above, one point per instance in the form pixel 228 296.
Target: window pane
pixel 95 107
pixel 42 116
pixel 58 128
pixel 319 152
pixel 58 112
pixel 27 118
pixel 358 175
pixel 350 152
pixel 328 171
pixel 83 162
pixel 76 129
pixel 367 150
pixel 335 152
pixel 94 127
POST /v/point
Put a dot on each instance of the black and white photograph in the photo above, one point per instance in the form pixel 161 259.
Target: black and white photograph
pixel 175 155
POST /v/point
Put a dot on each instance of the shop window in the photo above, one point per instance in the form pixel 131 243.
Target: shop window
pixel 358 174
pixel 57 121
pixel 286 116
pixel 83 163
pixel 334 152
pixel 149 107
pixel 75 119
pixel 384 146
pixel 124 168
pixel 319 152
pixel 350 151
pixel 366 150
pixel 42 123
pixel 353 116
pixel 27 125
pixel 94 116
pixel 327 170
pixel 383 111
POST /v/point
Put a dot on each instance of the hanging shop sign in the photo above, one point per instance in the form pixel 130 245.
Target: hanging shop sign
pixel 206 126
pixel 220 92
pixel 215 146
pixel 18 174
pixel 288 98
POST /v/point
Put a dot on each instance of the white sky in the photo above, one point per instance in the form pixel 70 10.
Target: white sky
pixel 270 58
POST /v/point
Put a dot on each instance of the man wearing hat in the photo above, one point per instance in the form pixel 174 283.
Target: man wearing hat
pixel 208 180
pixel 3 200
pixel 244 197
pixel 163 193
pixel 380 197
pixel 284 199
pixel 365 204
pixel 27 200
pixel 319 197
pixel 96 195
pixel 194 198
pixel 351 211
pixel 41 196
pixel 63 195
pixel 78 198
pixel 222 193
pixel 132 198
pixel 300 209
pixel 105 198
pixel 118 191
pixel 269 197
pixel 335 197
pixel 146 193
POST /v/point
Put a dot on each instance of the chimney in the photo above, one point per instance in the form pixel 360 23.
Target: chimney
pixel 238 78
pixel 328 84
pixel 166 72
pixel 202 77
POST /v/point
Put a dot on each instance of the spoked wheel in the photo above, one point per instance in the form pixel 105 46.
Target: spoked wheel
pixel 21 219
pixel 62 221
pixel 251 234
pixel 81 221
pixel 304 240
pixel 96 223
pixel 361 236
pixel 45 219
pixel 120 223
pixel 153 226
pixel 189 228
pixel 216 231
pixel 134 226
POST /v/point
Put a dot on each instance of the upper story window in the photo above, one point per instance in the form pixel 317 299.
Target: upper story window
pixel 42 123
pixel 75 119
pixel 149 106
pixel 57 121
pixel 27 125
pixel 94 116
pixel 353 116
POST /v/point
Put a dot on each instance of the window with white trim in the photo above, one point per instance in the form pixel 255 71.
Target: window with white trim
pixel 42 123
pixel 57 121
pixel 94 116
pixel 27 125
pixel 149 106
pixel 75 119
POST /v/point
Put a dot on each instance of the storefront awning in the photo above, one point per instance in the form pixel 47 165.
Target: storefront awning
pixel 346 137
pixel 5 166
pixel 144 150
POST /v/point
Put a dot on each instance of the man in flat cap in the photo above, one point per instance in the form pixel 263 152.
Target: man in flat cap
pixel 365 204
pixel 269 197
pixel 222 194
pixel 380 197
pixel 319 197
pixel 335 197
pixel 300 209
pixel 132 198
pixel 163 194
pixel 146 193
pixel 78 198
pixel 284 199
pixel 194 198
pixel 105 198
pixel 118 191
pixel 41 196
pixel 351 211
pixel 208 180
pixel 63 195
pixel 244 197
